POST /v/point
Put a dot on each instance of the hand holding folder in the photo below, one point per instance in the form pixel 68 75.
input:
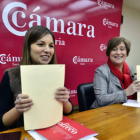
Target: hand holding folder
pixel 40 82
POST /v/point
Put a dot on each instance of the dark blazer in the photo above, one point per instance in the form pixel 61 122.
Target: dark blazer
pixel 107 87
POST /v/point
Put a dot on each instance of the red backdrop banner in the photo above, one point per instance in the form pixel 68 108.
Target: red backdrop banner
pixel 82 29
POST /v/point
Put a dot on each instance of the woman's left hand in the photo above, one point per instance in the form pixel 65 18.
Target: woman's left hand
pixel 62 95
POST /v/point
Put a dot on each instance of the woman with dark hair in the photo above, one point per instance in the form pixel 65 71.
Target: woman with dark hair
pixel 114 82
pixel 38 49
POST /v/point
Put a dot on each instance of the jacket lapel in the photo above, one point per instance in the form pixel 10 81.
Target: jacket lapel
pixel 115 80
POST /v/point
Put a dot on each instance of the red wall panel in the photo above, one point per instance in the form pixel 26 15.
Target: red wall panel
pixel 82 29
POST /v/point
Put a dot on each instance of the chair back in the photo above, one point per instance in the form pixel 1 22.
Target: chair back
pixel 86 96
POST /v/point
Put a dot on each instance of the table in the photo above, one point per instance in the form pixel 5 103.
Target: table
pixel 113 122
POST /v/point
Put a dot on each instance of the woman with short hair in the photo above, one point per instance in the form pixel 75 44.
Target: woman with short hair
pixel 114 82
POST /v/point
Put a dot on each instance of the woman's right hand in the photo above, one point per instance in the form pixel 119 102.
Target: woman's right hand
pixel 134 87
pixel 23 103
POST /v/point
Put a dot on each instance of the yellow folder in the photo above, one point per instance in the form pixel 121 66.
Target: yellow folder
pixel 138 78
pixel 40 82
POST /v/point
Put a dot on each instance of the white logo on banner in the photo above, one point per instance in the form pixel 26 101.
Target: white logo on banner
pixel 72 92
pixel 82 61
pixel 72 28
pixel 4 59
pixel 60 42
pixel 105 5
pixel 110 24
pixel 103 47
pixel 14 17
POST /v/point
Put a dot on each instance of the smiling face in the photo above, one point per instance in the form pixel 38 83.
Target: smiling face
pixel 118 54
pixel 42 50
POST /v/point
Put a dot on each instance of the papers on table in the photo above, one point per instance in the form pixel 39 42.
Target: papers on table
pixel 66 129
pixel 40 82
pixel 132 103
pixel 37 136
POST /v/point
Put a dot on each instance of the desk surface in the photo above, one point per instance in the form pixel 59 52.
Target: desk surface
pixel 114 122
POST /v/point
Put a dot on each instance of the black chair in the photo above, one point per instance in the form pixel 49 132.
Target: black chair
pixel 86 96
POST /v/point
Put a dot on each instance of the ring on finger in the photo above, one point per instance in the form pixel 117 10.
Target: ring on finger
pixel 19 99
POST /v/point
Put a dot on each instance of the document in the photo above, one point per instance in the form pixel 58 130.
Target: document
pixel 132 103
pixel 138 78
pixel 40 82
pixel 66 129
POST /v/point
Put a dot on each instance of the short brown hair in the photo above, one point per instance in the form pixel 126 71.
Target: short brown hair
pixel 112 43
pixel 31 36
